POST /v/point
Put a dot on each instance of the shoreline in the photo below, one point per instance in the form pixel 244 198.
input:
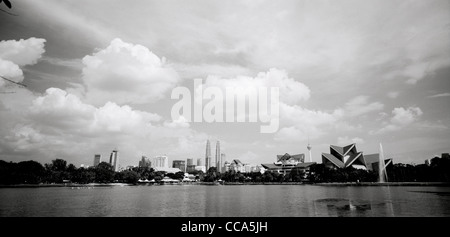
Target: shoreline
pixel 362 184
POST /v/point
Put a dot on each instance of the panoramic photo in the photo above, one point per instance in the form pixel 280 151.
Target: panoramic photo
pixel 207 108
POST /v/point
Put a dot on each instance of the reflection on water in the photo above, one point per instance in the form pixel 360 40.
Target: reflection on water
pixel 352 208
pixel 227 201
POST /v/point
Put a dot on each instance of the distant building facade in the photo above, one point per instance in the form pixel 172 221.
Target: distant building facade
pixel 190 168
pixel 189 161
pixel 145 162
pixel 218 163
pixel 286 163
pixel 114 160
pixel 161 161
pixel 208 155
pixel 180 164
pixel 97 159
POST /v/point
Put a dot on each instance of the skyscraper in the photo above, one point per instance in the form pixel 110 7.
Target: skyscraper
pixel 97 159
pixel 208 155
pixel 145 162
pixel 190 161
pixel 116 160
pixel 180 164
pixel 222 158
pixel 199 162
pixel 162 161
pixel 217 163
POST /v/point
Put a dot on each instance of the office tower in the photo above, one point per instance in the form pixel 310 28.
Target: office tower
pixel 180 164
pixel 222 158
pixel 199 162
pixel 162 161
pixel 97 159
pixel 116 160
pixel 217 164
pixel 145 162
pixel 190 161
pixel 208 155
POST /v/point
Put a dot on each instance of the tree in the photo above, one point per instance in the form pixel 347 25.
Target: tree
pixel 83 175
pixel 211 175
pixel 59 165
pixel 179 175
pixel 30 172
pixel 104 173
pixel 127 176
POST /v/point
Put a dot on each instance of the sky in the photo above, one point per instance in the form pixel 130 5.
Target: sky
pixel 99 76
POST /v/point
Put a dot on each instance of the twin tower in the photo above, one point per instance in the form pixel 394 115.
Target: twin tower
pixel 219 157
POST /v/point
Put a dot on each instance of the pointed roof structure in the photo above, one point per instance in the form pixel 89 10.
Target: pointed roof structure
pixel 343 157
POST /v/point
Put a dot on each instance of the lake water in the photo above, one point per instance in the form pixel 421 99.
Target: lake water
pixel 226 201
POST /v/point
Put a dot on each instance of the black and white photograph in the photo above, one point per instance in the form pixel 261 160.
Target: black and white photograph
pixel 225 109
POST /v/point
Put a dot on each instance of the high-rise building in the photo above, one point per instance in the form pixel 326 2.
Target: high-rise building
pixel 190 161
pixel 199 162
pixel 145 162
pixel 217 162
pixel 222 158
pixel 190 168
pixel 208 155
pixel 180 164
pixel 226 166
pixel 97 159
pixel 162 161
pixel 114 160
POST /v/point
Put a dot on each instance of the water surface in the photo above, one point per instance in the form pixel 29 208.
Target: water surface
pixel 226 201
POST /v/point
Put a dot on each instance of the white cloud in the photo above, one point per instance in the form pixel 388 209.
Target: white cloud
pixel 59 109
pixel 10 71
pixel 291 91
pixel 16 53
pixel 22 52
pixel 404 116
pixel 60 124
pixel 401 118
pixel 360 105
pixel 180 122
pixel 299 123
pixel 439 95
pixel 126 73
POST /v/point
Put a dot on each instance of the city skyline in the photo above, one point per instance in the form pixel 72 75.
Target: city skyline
pixel 347 72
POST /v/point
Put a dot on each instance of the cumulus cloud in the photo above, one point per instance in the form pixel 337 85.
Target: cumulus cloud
pixel 291 91
pixel 59 109
pixel 126 73
pixel 400 119
pixel 17 53
pixel 404 116
pixel 22 52
pixel 60 124
pixel 180 122
pixel 360 105
pixel 300 123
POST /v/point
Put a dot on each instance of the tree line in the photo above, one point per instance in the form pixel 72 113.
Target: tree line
pixel 58 171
